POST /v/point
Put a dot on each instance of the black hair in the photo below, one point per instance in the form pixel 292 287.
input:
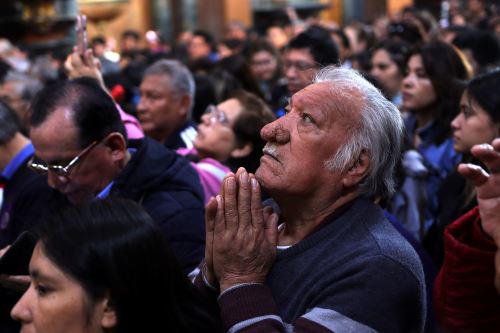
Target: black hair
pixel 94 112
pixel 207 37
pixel 484 46
pixel 404 31
pixel 447 71
pixel 98 40
pixel 113 247
pixel 9 123
pixel 132 34
pixel 263 45
pixel 238 66
pixel 343 37
pixel 484 90
pixel 397 50
pixel 247 126
pixel 318 42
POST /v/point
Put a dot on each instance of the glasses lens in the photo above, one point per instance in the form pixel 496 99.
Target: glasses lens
pixel 210 109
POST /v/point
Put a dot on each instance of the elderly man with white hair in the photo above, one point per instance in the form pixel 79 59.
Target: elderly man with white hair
pixel 329 261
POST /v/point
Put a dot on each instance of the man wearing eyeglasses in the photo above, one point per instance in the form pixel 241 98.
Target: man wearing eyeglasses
pixel 81 146
pixel 303 58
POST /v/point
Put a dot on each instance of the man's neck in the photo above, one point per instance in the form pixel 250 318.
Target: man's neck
pixel 302 216
pixel 11 149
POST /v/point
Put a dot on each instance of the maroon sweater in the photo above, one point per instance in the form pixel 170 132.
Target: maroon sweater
pixel 465 297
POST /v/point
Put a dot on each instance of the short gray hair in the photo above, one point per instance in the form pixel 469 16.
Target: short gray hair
pixel 181 79
pixel 9 123
pixel 379 132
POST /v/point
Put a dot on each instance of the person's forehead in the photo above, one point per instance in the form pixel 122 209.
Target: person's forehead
pixel 231 107
pixel 198 40
pixel 299 54
pixel 262 54
pixel 56 137
pixel 157 82
pixel 415 61
pixel 382 54
pixel 330 98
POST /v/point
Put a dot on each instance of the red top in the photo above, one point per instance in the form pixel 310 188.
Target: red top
pixel 465 297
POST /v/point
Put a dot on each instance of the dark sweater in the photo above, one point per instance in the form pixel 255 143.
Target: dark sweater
pixel 355 273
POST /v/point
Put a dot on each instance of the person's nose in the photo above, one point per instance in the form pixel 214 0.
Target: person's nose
pixel 206 119
pixel 141 106
pixel 290 72
pixel 21 312
pixel 407 81
pixel 455 123
pixel 276 132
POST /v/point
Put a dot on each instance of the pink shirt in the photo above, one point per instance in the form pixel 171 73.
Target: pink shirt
pixel 132 125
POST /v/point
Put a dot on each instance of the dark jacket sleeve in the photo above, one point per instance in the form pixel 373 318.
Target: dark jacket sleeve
pixel 464 293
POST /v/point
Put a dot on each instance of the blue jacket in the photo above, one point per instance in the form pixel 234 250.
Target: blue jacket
pixel 168 188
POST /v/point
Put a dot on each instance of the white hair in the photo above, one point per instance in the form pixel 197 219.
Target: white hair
pixel 181 79
pixel 379 132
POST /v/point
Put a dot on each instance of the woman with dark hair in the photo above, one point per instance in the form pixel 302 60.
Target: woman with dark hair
pixel 105 267
pixel 388 67
pixel 265 66
pixel 228 138
pixel 431 93
pixel 478 122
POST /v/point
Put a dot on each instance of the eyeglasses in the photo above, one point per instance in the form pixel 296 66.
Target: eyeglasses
pixel 216 115
pixel 59 170
pixel 299 65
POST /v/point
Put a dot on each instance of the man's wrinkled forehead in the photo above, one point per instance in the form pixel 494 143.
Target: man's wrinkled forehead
pixel 344 100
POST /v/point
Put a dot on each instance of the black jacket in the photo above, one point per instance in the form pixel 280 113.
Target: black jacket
pixel 168 188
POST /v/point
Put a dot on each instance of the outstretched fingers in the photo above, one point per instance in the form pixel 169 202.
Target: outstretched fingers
pixel 474 173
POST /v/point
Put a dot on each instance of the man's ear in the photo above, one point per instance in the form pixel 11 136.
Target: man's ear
pixel 184 103
pixel 357 171
pixel 109 318
pixel 117 146
pixel 240 152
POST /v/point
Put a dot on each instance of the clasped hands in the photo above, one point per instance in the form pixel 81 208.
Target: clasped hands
pixel 241 235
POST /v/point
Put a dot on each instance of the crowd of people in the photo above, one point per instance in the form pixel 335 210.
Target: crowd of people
pixel 308 178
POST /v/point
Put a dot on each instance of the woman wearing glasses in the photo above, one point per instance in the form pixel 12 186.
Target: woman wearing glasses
pixel 88 274
pixel 228 138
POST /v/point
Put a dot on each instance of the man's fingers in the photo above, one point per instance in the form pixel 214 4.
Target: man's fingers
pixel 230 201
pixel 267 211
pixel 474 173
pixel 256 201
pixel 271 225
pixel 244 200
pixel 210 212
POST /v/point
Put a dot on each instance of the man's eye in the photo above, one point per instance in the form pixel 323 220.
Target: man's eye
pixel 307 118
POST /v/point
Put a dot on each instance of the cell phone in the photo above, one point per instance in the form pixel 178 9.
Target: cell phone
pixel 16 260
pixel 81 33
